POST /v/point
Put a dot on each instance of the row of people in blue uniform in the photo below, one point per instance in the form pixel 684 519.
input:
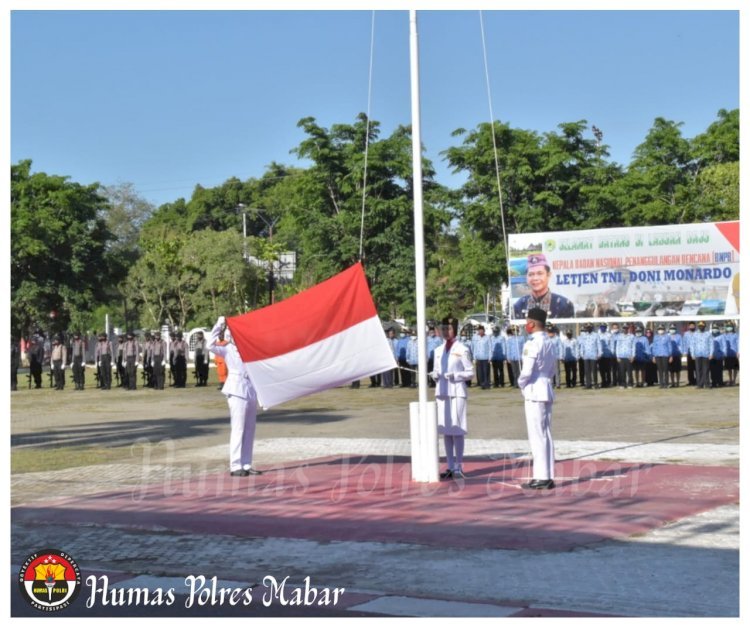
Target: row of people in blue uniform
pixel 489 352
pixel 617 354
pixel 622 356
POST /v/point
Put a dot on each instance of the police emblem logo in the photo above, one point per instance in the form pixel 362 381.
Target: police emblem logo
pixel 49 580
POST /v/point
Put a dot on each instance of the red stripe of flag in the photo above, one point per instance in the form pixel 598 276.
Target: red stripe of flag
pixel 731 231
pixel 310 316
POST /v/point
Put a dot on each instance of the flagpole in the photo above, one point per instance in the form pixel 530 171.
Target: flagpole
pixel 423 414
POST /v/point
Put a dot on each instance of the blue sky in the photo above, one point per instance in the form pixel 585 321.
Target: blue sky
pixel 167 100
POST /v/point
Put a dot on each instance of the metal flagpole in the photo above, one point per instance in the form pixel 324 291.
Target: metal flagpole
pixel 423 414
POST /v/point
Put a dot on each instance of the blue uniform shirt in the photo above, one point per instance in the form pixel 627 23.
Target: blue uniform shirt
pixel 732 344
pixel 605 341
pixel 481 347
pixel 676 345
pixel 412 352
pixel 642 349
pixel 569 349
pixel 394 346
pixel 433 342
pixel 401 347
pixel 613 338
pixel 625 346
pixel 498 348
pixel 687 340
pixel 514 347
pixel 718 347
pixel 557 343
pixel 700 344
pixel 589 347
pixel 660 347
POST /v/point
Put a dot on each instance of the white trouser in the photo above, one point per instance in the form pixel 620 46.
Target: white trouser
pixel 242 419
pixel 538 417
pixel 451 415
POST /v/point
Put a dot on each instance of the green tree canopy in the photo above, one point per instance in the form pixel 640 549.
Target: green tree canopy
pixel 188 280
pixel 58 249
pixel 78 249
pixel 327 208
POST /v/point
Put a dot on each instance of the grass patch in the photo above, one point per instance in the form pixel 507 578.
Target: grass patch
pixel 33 460
pixel 718 425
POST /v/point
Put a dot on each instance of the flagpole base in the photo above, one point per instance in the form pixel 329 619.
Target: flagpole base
pixel 424 445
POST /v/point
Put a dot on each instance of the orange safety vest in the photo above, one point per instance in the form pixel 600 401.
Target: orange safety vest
pixel 221 366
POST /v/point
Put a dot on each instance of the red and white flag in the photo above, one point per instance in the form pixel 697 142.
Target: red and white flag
pixel 323 337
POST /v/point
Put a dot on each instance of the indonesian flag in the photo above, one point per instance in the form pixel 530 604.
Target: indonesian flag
pixel 323 337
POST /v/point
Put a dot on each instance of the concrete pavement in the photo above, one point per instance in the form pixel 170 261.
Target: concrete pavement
pixel 615 538
pixel 644 526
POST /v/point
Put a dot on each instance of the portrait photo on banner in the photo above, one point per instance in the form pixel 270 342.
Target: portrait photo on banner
pixel 684 271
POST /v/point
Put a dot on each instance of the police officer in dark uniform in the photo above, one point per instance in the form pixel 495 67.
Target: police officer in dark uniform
pixel 120 361
pixel 57 361
pixel 201 359
pixel 179 351
pixel 148 371
pixel 172 375
pixel 103 360
pixel 15 363
pixel 157 353
pixel 130 352
pixel 36 358
pixel 77 360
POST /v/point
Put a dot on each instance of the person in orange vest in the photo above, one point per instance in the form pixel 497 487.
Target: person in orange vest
pixel 221 365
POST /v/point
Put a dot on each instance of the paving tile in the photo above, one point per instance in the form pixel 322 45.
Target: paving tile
pixel 372 498
pixel 423 607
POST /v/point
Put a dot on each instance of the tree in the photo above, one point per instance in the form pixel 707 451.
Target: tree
pixel 720 144
pixel 190 279
pixel 58 249
pixel 226 282
pixel 654 191
pixel 716 193
pixel 153 283
pixel 556 181
pixel 327 204
pixel 715 190
pixel 125 213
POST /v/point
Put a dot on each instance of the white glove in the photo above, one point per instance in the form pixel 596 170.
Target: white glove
pixel 434 375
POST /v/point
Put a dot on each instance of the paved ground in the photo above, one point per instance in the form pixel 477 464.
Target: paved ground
pixel 645 521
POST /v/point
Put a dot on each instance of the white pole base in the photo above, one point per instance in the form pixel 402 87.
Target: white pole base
pixel 424 444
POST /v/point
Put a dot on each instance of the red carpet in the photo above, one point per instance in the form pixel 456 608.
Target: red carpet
pixel 372 498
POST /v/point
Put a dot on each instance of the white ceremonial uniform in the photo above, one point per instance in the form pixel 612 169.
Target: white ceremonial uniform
pixel 451 372
pixel 535 381
pixel 241 399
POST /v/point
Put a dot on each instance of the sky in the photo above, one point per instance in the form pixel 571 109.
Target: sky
pixel 167 100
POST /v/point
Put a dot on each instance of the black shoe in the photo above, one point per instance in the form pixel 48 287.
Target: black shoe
pixel 539 484
pixel 252 471
pixel 458 475
pixel 240 472
pixel 446 474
